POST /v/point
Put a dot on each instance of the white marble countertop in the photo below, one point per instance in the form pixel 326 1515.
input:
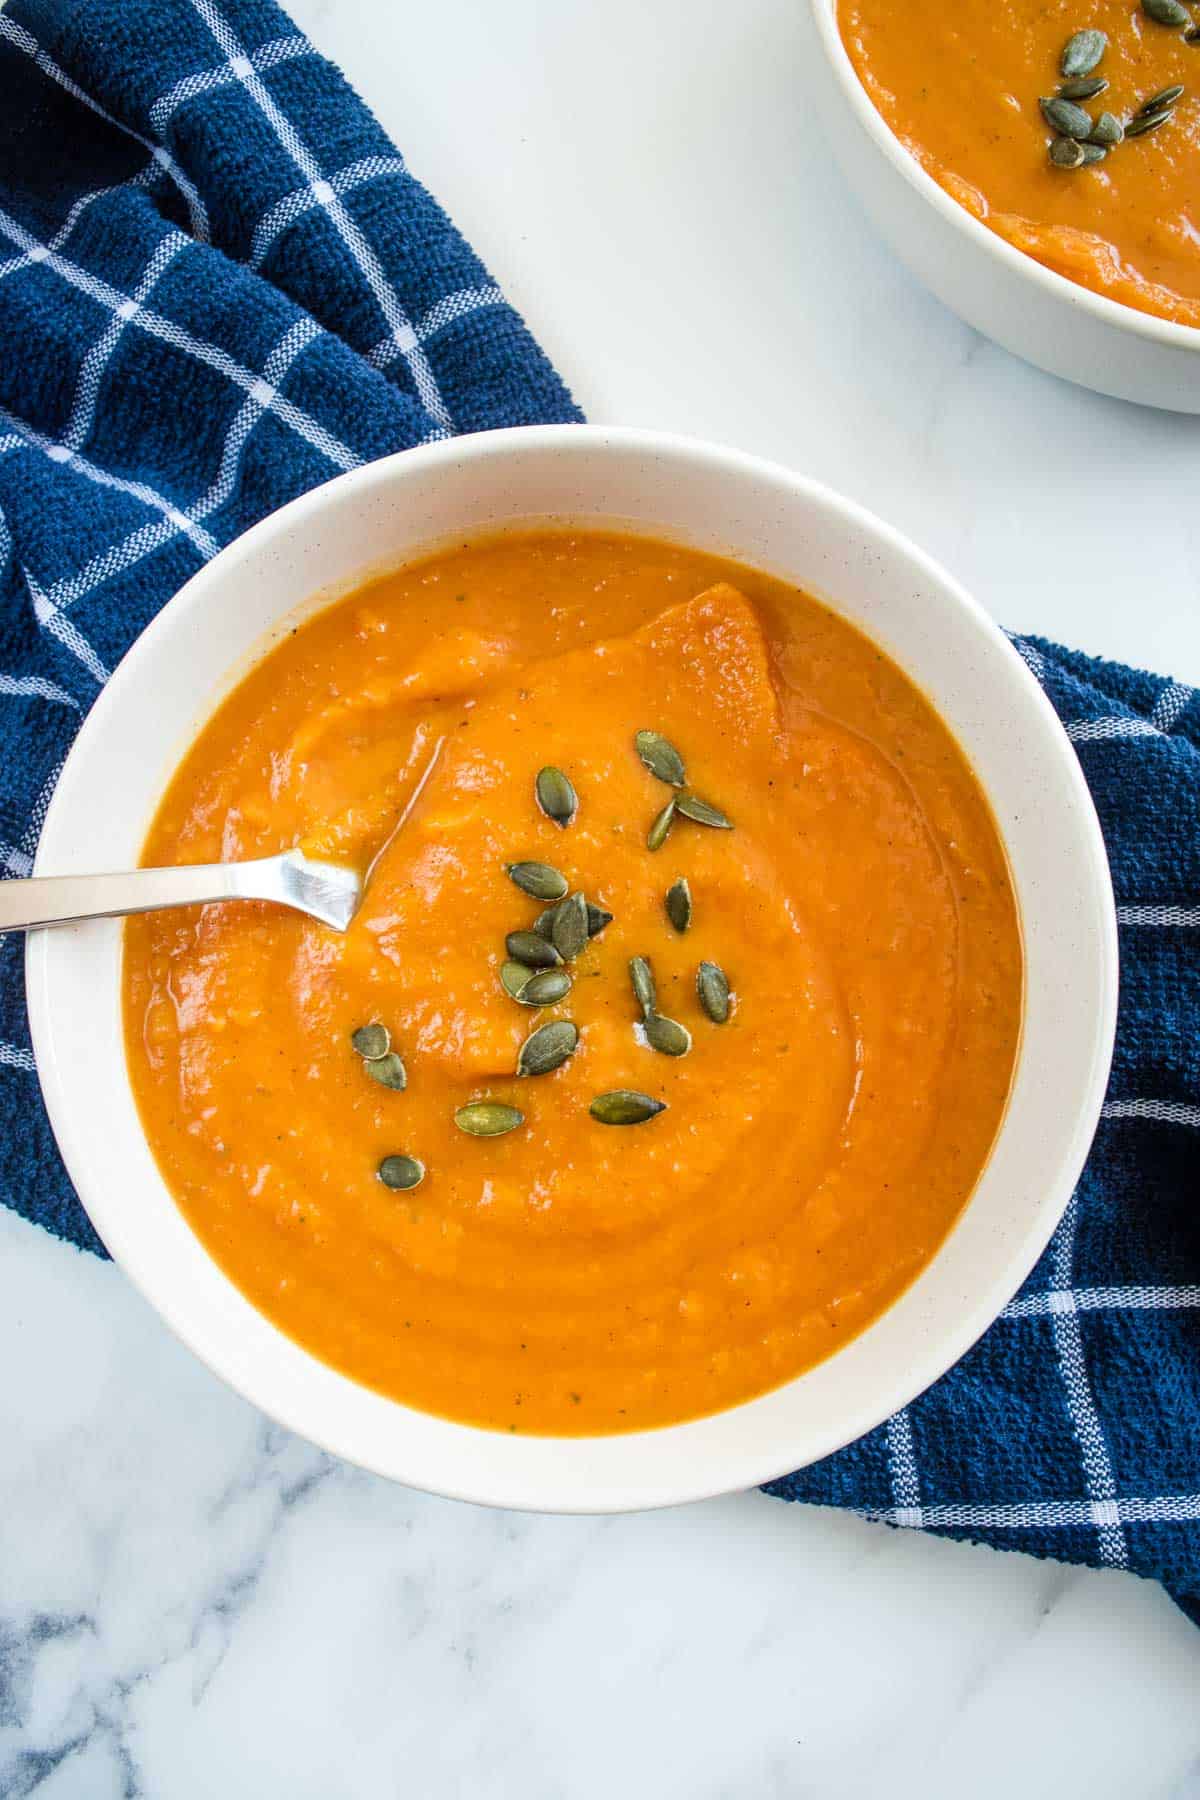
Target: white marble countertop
pixel 193 1604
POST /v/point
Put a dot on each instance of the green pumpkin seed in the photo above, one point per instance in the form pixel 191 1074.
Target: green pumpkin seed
pixel 1093 153
pixel 1146 123
pixel 530 948
pixel 1065 117
pixel 513 977
pixel 401 1172
pixel 488 1118
pixel 388 1071
pixel 598 918
pixel 713 991
pixel 656 837
pixel 1108 130
pixel 678 903
pixel 1165 97
pixel 642 977
pixel 555 795
pixel 1082 51
pixel 371 1041
pixel 546 988
pixel 544 923
pixel 625 1106
pixel 1084 87
pixel 1166 12
pixel 569 931
pixel 547 1048
pixel 537 879
pixel 661 758
pixel 700 812
pixel 665 1036
pixel 1065 153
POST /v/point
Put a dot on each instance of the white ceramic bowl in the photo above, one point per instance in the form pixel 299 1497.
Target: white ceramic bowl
pixel 717 500
pixel 995 287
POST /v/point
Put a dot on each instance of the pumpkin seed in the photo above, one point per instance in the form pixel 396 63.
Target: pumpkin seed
pixel 598 918
pixel 547 1048
pixel 665 1036
pixel 656 837
pixel 1084 87
pixel 1093 153
pixel 625 1106
pixel 1108 130
pixel 1065 117
pixel 1165 97
pixel 1145 123
pixel 488 1118
pixel 679 904
pixel 555 795
pixel 700 812
pixel 1065 153
pixel 642 977
pixel 401 1171
pixel 546 988
pixel 661 758
pixel 513 976
pixel 388 1071
pixel 371 1041
pixel 713 991
pixel 1166 12
pixel 530 948
pixel 537 879
pixel 1082 51
pixel 544 923
pixel 569 931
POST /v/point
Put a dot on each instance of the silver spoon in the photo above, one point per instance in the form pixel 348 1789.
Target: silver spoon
pixel 324 890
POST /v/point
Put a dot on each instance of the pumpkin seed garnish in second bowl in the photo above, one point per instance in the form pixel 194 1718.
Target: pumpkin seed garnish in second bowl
pixel 371 1041
pixel 488 1118
pixel 1082 51
pixel 388 1071
pixel 656 837
pixel 1093 153
pixel 1165 97
pixel 666 1036
pixel 530 948
pixel 545 988
pixel 401 1172
pixel 569 928
pixel 1065 117
pixel 661 758
pixel 1065 153
pixel 1108 130
pixel 555 795
pixel 1084 87
pixel 537 879
pixel 679 904
pixel 1166 12
pixel 642 977
pixel 713 991
pixel 701 812
pixel 1144 123
pixel 625 1106
pixel 547 1048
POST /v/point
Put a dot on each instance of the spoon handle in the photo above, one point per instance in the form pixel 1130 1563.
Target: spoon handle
pixel 65 899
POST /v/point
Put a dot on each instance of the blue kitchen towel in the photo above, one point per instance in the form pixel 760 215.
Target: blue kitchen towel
pixel 219 286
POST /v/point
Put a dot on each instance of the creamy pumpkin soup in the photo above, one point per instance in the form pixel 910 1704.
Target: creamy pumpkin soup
pixel 1074 133
pixel 678 1019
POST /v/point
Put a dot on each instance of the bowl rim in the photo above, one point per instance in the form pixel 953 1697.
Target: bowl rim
pixel 761 1462
pixel 1057 287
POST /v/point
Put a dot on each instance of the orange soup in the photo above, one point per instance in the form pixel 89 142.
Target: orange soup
pixel 961 86
pixel 664 1189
